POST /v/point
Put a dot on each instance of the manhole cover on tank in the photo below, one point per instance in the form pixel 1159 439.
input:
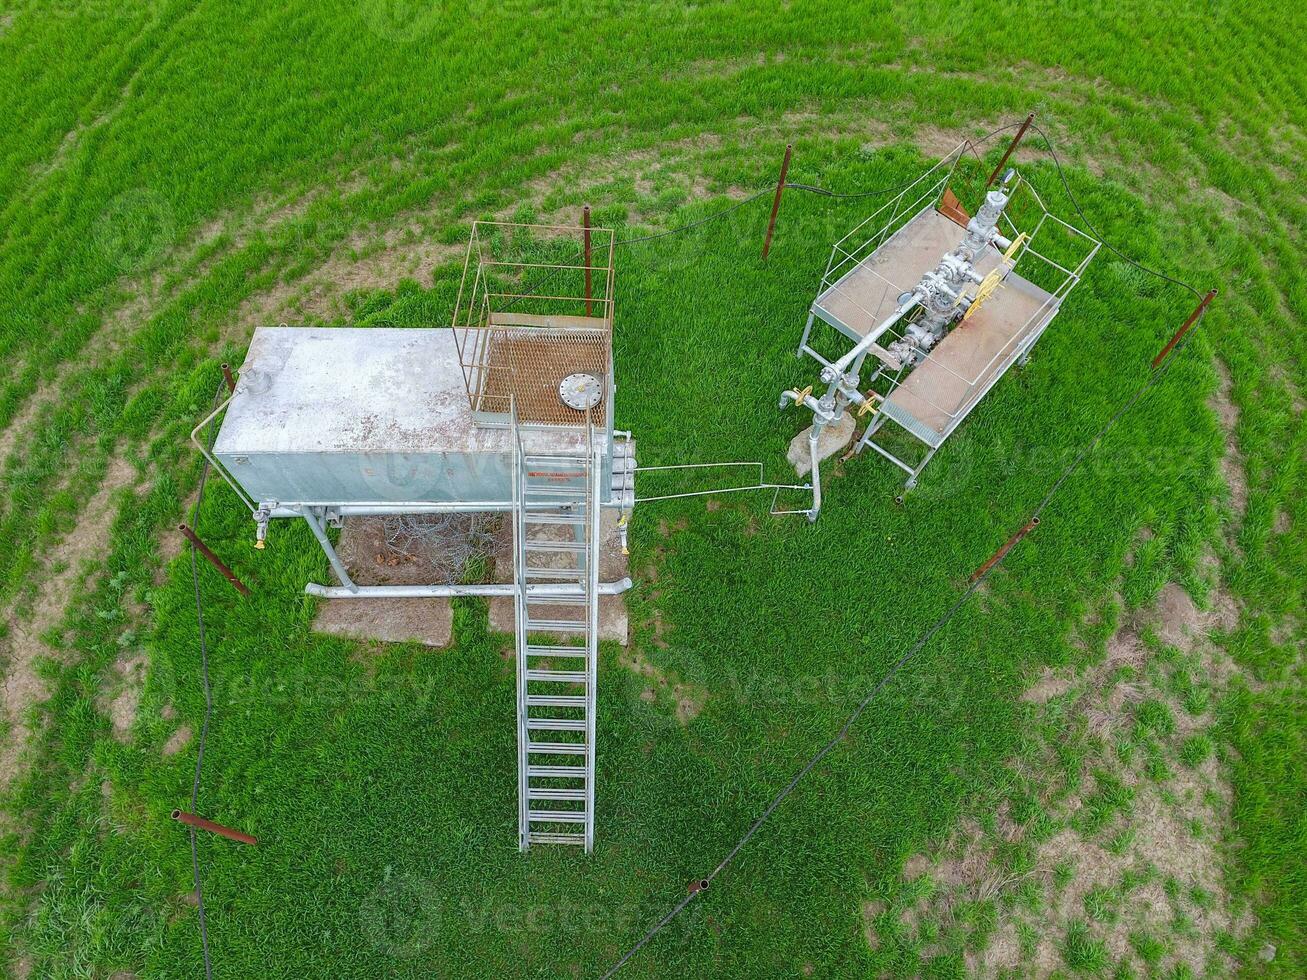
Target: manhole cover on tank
pixel 580 391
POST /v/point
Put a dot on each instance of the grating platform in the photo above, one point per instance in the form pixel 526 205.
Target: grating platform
pixel 529 356
pixel 869 292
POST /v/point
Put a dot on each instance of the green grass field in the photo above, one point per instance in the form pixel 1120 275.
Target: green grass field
pixel 1022 798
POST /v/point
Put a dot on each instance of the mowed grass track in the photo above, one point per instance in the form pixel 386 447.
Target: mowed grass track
pixel 381 782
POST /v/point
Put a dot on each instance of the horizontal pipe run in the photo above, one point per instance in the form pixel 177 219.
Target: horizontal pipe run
pixel 194 820
pixel 539 592
pixel 873 335
pixel 706 493
pixel 382 509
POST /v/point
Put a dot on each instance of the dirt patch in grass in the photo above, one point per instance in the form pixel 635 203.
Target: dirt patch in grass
pixel 689 699
pixel 62 568
pixel 24 422
pixel 871 911
pixel 123 707
pixel 178 740
pixel 1232 462
pixel 1126 858
pixel 1053 683
pixel 1181 624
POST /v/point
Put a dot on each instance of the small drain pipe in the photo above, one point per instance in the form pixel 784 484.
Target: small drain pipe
pixel 816 475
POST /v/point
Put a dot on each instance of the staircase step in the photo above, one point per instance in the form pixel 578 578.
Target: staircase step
pixel 539 650
pixel 549 793
pixel 562 574
pixel 556 724
pixel 557 676
pixel 556 772
pixel 556 816
pixel 555 625
pixel 536 837
pixel 555 547
pixel 555 700
pixel 556 600
pixel 555 748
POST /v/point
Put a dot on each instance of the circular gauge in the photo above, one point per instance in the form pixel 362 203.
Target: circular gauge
pixel 580 391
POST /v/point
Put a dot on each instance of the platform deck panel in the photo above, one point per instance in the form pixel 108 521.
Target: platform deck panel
pixel 937 394
pixel 869 292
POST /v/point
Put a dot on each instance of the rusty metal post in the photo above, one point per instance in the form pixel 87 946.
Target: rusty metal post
pixel 998 555
pixel 227 377
pixel 585 223
pixel 213 559
pixel 1193 318
pixel 193 820
pixel 776 201
pixel 1010 147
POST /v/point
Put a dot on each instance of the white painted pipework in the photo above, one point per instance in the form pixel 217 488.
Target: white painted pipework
pixel 865 344
pixel 449 591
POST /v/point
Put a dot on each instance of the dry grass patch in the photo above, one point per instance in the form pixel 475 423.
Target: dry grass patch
pixel 25 645
pixel 1126 864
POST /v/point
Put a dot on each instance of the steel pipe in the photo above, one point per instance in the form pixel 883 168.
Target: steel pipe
pixel 213 559
pixel 816 475
pixel 451 591
pixel 776 202
pixel 386 509
pixel 866 343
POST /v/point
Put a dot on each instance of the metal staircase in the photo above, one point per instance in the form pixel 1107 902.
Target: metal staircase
pixel 556 576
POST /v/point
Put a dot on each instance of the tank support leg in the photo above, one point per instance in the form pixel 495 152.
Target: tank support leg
pixel 316 525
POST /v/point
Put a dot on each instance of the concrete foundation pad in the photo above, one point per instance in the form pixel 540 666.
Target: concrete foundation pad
pixel 833 438
pixel 362 547
pixel 426 621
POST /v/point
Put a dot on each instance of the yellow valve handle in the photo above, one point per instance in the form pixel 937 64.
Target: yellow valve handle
pixel 799 396
pixel 258 545
pixel 1017 242
pixel 867 405
pixel 988 286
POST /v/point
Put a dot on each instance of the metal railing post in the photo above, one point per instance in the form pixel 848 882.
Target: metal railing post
pixel 585 224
